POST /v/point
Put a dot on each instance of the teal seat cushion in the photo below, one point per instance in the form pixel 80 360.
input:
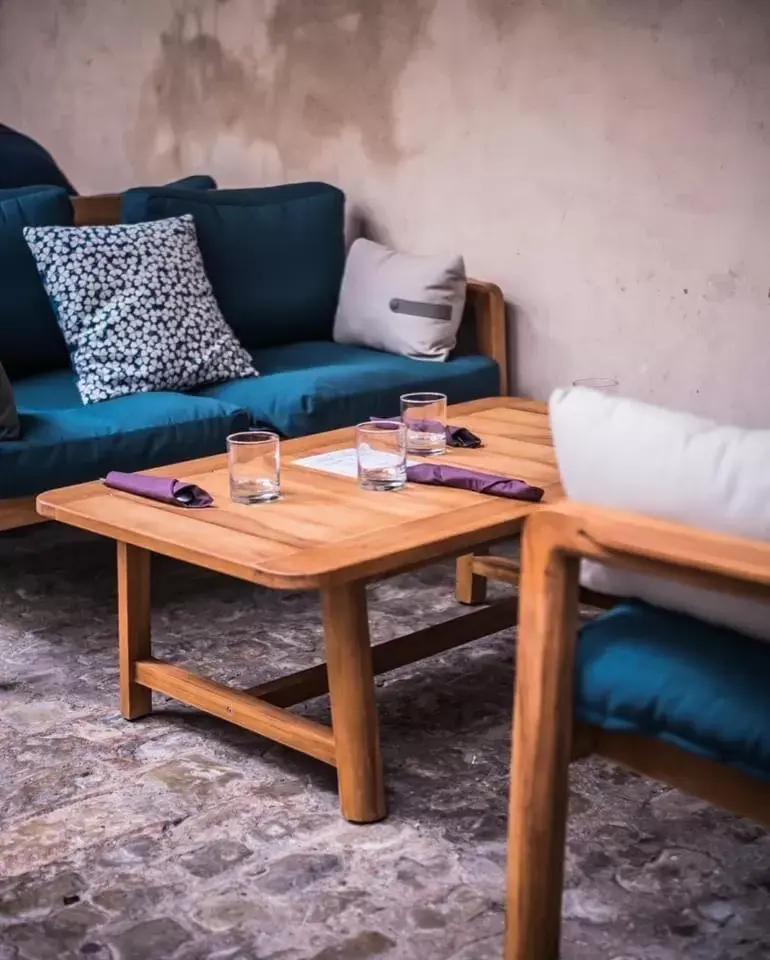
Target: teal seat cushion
pixel 274 255
pixel 64 442
pixel 311 387
pixel 669 676
pixel 30 339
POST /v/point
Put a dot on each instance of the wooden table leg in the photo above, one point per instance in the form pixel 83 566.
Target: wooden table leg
pixel 542 743
pixel 470 588
pixel 134 642
pixel 354 712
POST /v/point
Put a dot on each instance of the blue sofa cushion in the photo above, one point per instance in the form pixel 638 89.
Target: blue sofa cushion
pixel 274 255
pixel 24 161
pixel 196 181
pixel 30 339
pixel 64 442
pixel 9 418
pixel 311 387
pixel 669 676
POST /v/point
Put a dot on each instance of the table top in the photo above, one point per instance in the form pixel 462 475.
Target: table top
pixel 325 530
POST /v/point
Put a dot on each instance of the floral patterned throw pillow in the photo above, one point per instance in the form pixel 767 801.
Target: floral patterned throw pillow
pixel 136 308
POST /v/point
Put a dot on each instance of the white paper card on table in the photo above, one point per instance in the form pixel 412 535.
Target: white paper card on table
pixel 342 462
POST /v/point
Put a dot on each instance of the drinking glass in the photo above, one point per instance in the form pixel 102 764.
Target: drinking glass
pixel 254 464
pixel 424 415
pixel 605 384
pixel 381 455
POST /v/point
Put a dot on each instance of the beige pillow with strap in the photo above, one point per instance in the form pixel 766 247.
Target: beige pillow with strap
pixel 401 303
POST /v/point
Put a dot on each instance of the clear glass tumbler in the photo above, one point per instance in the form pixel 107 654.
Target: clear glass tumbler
pixel 254 464
pixel 424 415
pixel 381 455
pixel 605 384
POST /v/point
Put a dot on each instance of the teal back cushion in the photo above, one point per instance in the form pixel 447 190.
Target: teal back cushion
pixel 197 181
pixel 30 339
pixel 274 255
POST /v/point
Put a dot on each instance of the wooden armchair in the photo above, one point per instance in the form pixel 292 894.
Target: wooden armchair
pixel 545 735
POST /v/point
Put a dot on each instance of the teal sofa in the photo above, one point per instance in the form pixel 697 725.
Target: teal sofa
pixel 278 293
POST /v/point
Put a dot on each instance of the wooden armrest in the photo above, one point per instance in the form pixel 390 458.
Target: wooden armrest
pixel 486 303
pixel 648 545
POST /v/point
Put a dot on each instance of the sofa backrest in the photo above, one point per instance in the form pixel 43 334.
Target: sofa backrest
pixel 274 255
pixel 483 329
pixel 101 210
pixel 30 339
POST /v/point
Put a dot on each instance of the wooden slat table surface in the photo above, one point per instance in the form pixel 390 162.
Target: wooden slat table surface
pixel 325 529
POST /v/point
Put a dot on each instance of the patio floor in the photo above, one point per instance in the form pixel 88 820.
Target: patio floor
pixel 179 837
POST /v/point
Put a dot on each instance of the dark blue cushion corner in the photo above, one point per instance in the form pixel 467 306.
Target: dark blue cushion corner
pixel 675 678
pixel 274 255
pixel 196 181
pixel 30 339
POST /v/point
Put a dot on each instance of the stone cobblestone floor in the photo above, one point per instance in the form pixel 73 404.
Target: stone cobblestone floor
pixel 178 837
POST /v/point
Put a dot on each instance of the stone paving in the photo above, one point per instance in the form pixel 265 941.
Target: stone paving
pixel 180 838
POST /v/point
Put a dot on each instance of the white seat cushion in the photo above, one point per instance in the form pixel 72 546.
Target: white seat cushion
pixel 627 455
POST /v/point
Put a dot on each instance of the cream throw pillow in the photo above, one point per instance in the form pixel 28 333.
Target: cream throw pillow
pixel 410 305
pixel 627 455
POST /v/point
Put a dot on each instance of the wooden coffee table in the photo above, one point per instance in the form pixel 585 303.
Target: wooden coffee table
pixel 325 534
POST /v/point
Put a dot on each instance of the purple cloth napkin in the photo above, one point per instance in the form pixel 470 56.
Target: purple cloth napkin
pixel 165 489
pixel 496 486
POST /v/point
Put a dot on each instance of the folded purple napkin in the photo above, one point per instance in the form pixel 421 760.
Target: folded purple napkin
pixel 496 486
pixel 165 489
pixel 462 437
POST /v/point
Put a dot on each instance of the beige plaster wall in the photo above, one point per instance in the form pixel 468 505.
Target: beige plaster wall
pixel 606 161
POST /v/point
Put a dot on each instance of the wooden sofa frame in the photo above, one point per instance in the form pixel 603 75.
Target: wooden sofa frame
pixel 545 738
pixel 485 321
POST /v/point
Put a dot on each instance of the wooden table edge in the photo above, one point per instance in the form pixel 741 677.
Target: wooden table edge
pixel 53 505
pixel 271 574
pixel 44 509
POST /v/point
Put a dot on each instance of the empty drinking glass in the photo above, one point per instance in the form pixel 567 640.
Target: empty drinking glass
pixel 424 415
pixel 254 464
pixel 381 455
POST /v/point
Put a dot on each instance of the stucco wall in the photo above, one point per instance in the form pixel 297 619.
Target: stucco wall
pixel 606 161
